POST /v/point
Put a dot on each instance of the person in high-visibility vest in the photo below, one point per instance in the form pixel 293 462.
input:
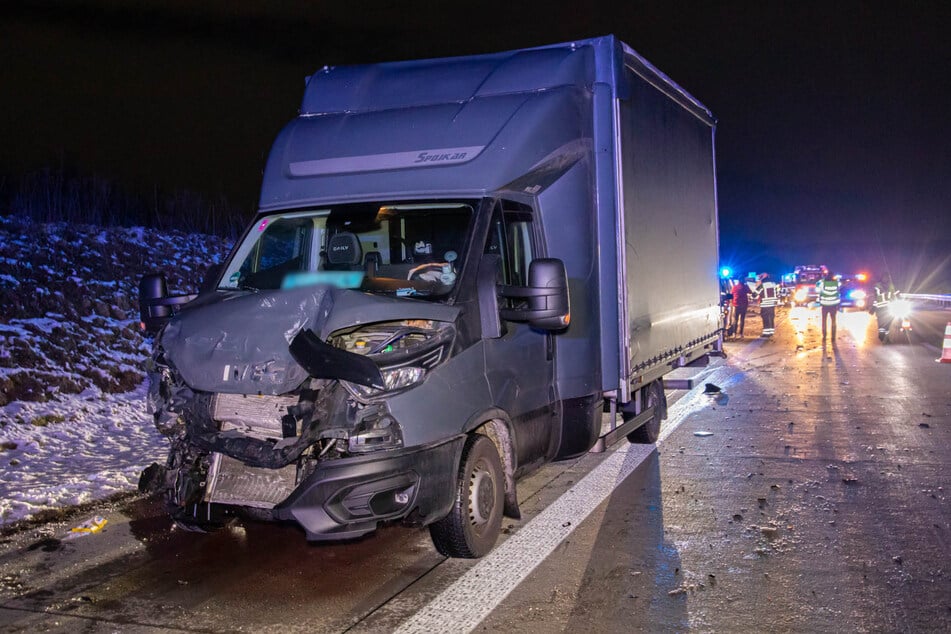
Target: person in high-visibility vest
pixel 884 294
pixel 768 295
pixel 830 297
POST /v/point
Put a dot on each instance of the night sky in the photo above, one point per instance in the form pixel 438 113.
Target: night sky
pixel 833 137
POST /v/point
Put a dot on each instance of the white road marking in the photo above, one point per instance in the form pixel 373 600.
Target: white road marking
pixel 465 603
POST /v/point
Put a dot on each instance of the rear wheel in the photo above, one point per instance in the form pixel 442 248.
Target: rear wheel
pixel 472 526
pixel 648 433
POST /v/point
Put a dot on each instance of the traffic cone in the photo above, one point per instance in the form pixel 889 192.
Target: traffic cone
pixel 946 347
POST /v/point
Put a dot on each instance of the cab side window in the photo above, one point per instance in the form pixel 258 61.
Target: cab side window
pixel 511 236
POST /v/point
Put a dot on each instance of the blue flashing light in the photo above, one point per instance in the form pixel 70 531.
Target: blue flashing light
pixel 726 272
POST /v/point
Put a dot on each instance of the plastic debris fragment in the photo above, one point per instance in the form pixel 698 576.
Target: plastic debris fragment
pixel 93 525
pixel 703 434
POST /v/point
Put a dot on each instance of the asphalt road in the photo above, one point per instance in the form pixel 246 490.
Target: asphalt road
pixel 809 495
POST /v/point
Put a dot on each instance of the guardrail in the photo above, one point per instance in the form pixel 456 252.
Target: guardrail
pixel 944 301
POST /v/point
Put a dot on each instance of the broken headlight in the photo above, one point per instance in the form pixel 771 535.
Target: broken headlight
pixel 395 379
pixel 405 351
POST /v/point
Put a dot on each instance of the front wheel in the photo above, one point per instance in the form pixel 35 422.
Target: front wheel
pixel 472 526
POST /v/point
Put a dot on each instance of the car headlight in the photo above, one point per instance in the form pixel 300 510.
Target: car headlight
pixel 900 308
pixel 405 351
pixel 801 295
pixel 394 379
pixel 857 294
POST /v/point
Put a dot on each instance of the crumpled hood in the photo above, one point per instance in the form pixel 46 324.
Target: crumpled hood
pixel 238 343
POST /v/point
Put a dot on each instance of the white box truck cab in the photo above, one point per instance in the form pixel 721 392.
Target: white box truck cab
pixel 457 267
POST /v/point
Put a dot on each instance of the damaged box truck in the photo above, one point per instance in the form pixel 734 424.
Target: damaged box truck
pixel 458 266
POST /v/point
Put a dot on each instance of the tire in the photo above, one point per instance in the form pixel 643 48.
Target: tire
pixel 648 433
pixel 473 525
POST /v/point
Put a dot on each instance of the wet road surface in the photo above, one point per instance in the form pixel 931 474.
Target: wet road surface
pixel 814 499
pixel 819 503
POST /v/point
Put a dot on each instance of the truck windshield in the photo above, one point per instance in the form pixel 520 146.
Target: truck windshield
pixel 400 249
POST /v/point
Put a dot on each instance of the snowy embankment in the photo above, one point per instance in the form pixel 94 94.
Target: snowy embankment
pixel 73 425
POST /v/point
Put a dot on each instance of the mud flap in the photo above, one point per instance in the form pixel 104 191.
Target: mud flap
pixel 510 509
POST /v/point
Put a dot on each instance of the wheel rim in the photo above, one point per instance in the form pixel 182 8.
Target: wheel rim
pixel 481 495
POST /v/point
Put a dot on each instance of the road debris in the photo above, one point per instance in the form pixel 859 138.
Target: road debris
pixel 703 434
pixel 93 525
pixel 769 531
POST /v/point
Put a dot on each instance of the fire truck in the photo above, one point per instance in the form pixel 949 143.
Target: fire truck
pixel 805 281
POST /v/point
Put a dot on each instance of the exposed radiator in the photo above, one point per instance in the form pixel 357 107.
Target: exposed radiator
pixel 259 415
pixel 232 482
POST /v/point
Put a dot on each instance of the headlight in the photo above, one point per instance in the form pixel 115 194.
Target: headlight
pixel 900 308
pixel 394 379
pixel 857 294
pixel 801 295
pixel 405 352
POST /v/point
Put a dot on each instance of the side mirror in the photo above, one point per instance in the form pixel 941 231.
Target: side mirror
pixel 546 296
pixel 155 305
pixel 211 277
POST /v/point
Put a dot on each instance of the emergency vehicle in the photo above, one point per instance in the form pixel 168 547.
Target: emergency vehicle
pixel 804 280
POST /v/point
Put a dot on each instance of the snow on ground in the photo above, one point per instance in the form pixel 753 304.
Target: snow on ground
pixel 73 425
pixel 75 450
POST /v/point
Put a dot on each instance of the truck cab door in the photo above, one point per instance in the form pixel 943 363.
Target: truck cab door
pixel 520 363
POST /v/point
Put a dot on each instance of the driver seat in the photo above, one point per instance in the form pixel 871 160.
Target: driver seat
pixel 343 253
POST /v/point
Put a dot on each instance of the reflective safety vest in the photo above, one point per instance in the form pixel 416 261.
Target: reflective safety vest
pixel 881 297
pixel 829 293
pixel 768 295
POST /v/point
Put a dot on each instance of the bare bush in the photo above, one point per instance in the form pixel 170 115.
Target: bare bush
pixel 57 194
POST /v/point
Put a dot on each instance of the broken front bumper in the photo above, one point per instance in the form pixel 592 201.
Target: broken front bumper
pixel 348 498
